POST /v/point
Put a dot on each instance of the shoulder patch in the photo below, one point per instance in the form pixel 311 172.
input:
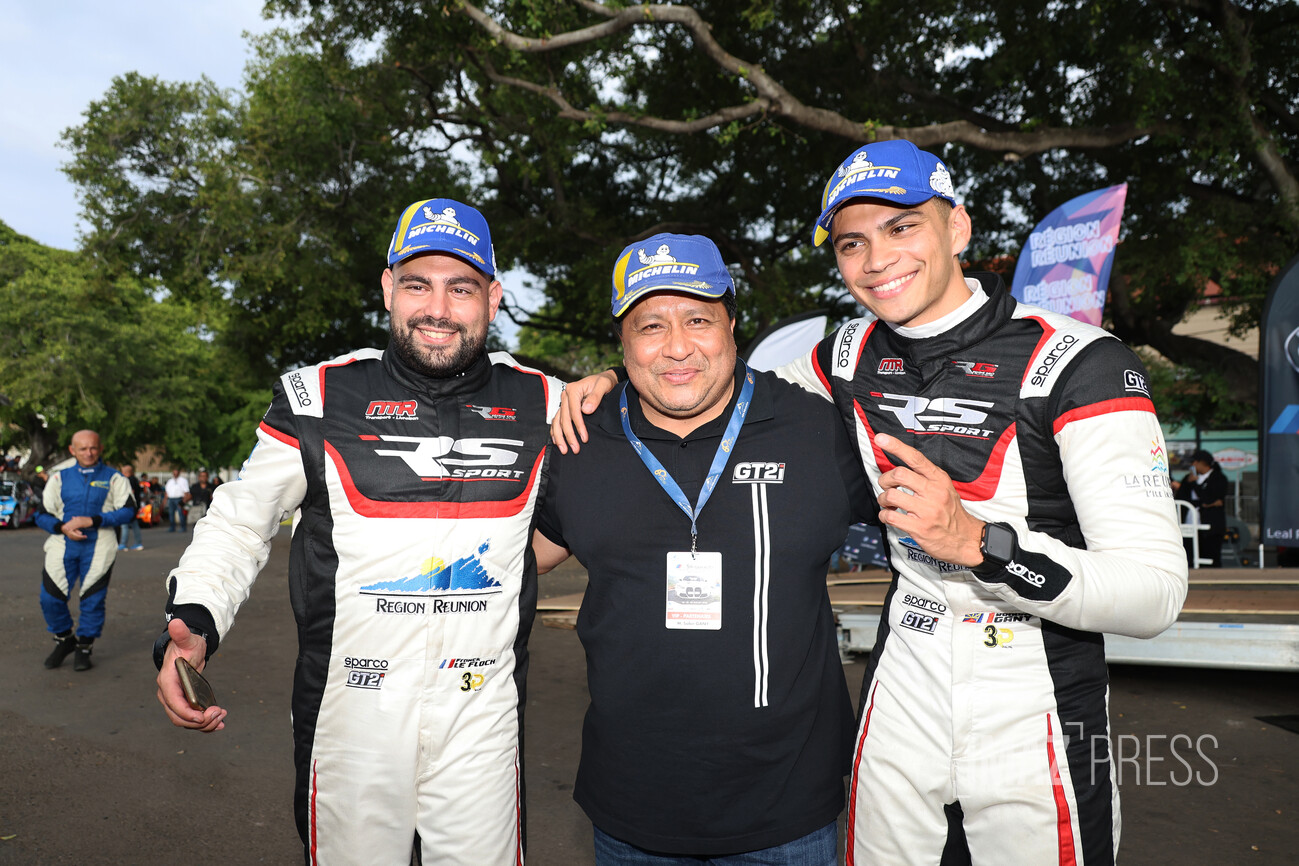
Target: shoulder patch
pixel 847 348
pixel 304 386
pixel 1063 340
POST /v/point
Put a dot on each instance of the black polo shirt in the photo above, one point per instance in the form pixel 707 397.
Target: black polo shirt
pixel 712 742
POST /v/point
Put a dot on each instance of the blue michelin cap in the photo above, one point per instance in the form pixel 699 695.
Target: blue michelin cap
pixel 442 225
pixel 890 171
pixel 669 263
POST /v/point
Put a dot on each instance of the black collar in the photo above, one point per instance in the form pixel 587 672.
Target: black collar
pixel 472 379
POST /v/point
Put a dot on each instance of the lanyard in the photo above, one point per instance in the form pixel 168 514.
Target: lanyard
pixel 666 481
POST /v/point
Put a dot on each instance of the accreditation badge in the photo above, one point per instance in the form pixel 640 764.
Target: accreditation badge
pixel 694 596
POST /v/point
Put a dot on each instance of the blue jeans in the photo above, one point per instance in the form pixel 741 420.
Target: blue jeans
pixel 132 527
pixel 176 509
pixel 818 848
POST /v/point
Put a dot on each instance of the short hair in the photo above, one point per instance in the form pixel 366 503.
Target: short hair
pixel 727 299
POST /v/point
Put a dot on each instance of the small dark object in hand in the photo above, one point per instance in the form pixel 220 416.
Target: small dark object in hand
pixel 197 691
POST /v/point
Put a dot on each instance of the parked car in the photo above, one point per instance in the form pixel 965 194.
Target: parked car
pixel 17 503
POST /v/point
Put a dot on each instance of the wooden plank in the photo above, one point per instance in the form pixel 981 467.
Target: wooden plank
pixel 573 601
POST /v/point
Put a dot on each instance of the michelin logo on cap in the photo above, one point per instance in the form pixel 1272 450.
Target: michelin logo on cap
pixel 678 263
pixel 442 225
pixel 891 171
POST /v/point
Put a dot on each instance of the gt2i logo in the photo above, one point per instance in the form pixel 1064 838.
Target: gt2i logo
pixel 380 409
pixel 365 673
pixel 946 416
pixel 471 682
pixel 977 369
pixel 921 622
pixel 758 473
pixel 1134 381
pixel 998 637
pixel 437 457
pixel 493 413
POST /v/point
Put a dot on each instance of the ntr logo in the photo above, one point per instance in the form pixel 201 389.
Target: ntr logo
pixel 433 458
pixel 392 409
pixel 946 416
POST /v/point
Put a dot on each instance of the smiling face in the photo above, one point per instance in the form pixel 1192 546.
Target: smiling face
pixel 440 308
pixel 679 351
pixel 899 262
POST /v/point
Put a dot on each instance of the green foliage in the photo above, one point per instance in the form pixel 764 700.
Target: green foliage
pixel 82 351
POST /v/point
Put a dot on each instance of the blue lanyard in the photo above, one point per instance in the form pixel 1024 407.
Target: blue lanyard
pixel 666 481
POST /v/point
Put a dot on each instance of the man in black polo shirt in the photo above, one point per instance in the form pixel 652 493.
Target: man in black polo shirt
pixel 705 508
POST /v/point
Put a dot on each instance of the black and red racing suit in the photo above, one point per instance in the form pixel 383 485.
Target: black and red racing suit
pixel 984 725
pixel 413 586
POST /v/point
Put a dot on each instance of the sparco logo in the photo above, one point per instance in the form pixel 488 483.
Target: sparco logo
pixel 950 416
pixel 924 603
pixel 1058 351
pixel 433 457
pixel 365 664
pixel 845 345
pixel 392 409
pixel 299 389
pixel 891 367
pixel 1026 573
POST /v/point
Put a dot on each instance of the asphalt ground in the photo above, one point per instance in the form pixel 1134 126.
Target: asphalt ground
pixel 92 773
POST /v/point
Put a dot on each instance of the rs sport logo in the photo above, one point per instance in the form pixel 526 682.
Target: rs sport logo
pixel 438 457
pixel 948 416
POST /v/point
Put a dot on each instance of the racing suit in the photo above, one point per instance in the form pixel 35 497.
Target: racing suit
pixel 984 723
pixel 413 586
pixel 101 493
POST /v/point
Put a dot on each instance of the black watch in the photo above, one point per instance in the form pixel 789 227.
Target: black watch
pixel 998 545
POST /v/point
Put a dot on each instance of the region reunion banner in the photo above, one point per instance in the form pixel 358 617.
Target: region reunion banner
pixel 1279 410
pixel 1065 266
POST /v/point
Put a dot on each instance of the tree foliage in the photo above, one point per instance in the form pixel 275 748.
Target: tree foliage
pixel 85 352
pixel 581 126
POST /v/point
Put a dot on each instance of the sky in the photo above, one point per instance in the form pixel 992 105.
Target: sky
pixel 56 58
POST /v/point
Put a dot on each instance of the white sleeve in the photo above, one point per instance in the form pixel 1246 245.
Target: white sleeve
pixel 1131 578
pixel 232 542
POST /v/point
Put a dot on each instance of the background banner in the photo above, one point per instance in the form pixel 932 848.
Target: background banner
pixel 1278 364
pixel 1065 266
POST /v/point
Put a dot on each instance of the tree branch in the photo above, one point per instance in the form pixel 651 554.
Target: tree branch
pixel 772 97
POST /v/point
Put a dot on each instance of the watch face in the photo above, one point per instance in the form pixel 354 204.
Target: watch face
pixel 998 543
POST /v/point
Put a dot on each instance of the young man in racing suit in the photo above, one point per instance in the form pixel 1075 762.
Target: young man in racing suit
pixel 414 473
pixel 1022 478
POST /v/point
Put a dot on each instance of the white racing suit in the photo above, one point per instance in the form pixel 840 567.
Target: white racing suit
pixel 414 589
pixel 984 722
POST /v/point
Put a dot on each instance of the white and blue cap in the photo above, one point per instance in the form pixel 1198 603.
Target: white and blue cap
pixel 442 225
pixel 896 172
pixel 669 263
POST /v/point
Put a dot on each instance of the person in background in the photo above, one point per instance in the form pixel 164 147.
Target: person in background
pixel 177 490
pixel 200 496
pixel 133 525
pixel 78 505
pixel 1205 487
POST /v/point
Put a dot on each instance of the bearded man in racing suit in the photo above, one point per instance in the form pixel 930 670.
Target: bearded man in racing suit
pixel 414 473
pixel 1023 484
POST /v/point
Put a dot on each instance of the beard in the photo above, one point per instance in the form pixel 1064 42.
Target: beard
pixel 437 362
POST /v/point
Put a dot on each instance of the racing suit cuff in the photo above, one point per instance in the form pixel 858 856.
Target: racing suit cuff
pixel 58 527
pixel 97 520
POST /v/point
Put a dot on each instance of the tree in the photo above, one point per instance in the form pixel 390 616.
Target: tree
pixel 85 352
pixel 581 126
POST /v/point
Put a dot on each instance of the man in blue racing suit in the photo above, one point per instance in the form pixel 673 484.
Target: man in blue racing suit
pixel 80 505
